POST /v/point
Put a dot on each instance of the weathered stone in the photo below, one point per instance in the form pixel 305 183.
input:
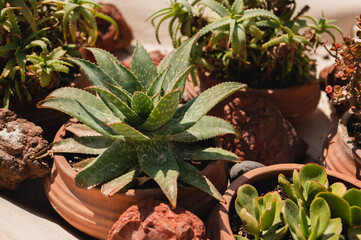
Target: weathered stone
pixel 20 140
pixel 106 31
pixel 265 135
pixel 243 167
pixel 155 220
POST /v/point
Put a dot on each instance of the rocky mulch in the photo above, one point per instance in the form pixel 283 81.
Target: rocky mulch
pixel 155 220
pixel 20 140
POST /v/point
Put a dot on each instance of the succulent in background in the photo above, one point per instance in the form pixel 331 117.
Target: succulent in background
pixel 143 130
pixel 34 39
pixel 261 43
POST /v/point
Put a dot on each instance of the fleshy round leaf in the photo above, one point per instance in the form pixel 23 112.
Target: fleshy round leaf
pixel 319 209
pixel 245 195
pixel 113 162
pixel 157 160
pixel 353 197
pixel 313 172
pixel 333 230
pixel 268 216
pixel 338 188
pixel 356 216
pixel 249 222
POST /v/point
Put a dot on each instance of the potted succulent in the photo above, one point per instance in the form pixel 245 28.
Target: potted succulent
pixel 343 147
pixel 317 205
pixel 35 38
pixel 138 132
pixel 258 43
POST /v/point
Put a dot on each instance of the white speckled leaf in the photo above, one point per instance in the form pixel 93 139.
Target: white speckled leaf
pixel 142 105
pixel 111 163
pixel 215 154
pixel 193 177
pixel 128 131
pixel 157 160
pixel 207 127
pixel 188 114
pixel 162 112
pixel 143 66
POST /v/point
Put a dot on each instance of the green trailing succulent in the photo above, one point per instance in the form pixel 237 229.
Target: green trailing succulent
pixel 34 39
pixel 314 210
pixel 260 43
pixel 143 130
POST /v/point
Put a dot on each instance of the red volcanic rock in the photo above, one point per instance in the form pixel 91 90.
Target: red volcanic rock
pixel 155 220
pixel 265 135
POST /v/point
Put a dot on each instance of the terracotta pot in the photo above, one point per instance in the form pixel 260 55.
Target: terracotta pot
pixel 48 119
pixel 340 153
pixel 93 213
pixel 295 103
pixel 218 225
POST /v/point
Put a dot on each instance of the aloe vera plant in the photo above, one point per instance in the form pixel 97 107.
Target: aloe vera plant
pixel 313 210
pixel 261 43
pixel 143 129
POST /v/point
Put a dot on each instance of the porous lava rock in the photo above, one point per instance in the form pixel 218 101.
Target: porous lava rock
pixel 151 219
pixel 20 140
pixel 265 135
pixel 106 31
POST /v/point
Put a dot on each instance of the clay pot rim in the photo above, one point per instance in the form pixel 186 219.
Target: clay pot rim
pixel 61 162
pixel 345 138
pixel 222 209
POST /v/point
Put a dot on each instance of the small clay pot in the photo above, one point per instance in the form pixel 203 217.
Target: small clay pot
pixel 295 103
pixel 340 153
pixel 94 214
pixel 49 120
pixel 218 225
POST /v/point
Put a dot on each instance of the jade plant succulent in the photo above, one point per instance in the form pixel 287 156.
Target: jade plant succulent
pixel 35 37
pixel 313 209
pixel 143 130
pixel 261 43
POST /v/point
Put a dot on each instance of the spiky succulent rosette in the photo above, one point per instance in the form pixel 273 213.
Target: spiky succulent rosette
pixel 141 127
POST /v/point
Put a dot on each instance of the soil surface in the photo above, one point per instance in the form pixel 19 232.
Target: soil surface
pixel 20 140
pixel 155 220
pixel 265 135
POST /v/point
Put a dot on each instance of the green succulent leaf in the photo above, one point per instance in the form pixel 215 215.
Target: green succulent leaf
pixel 127 131
pixel 238 38
pixel 215 25
pixel 87 145
pixel 121 75
pixel 191 175
pixel 121 93
pixel 268 216
pixel 188 114
pixel 338 188
pixel 355 216
pixel 143 66
pixel 215 154
pixel 111 163
pixel 275 232
pixel 237 6
pixel 313 172
pixel 112 187
pixel 176 61
pixel 312 188
pixel 333 230
pixel 162 112
pixel 353 197
pixel 217 7
pixel 291 216
pixel 156 85
pixel 304 222
pixel 342 210
pixel 81 130
pixel 118 107
pixel 85 113
pixel 298 188
pixel 271 197
pixel 249 222
pixel 156 160
pixel 79 166
pixel 319 211
pixel 142 104
pixel 287 187
pixel 207 127
pixel 245 195
pixel 252 13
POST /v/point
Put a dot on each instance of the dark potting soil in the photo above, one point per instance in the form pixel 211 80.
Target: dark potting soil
pixel 263 187
pixel 354 130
